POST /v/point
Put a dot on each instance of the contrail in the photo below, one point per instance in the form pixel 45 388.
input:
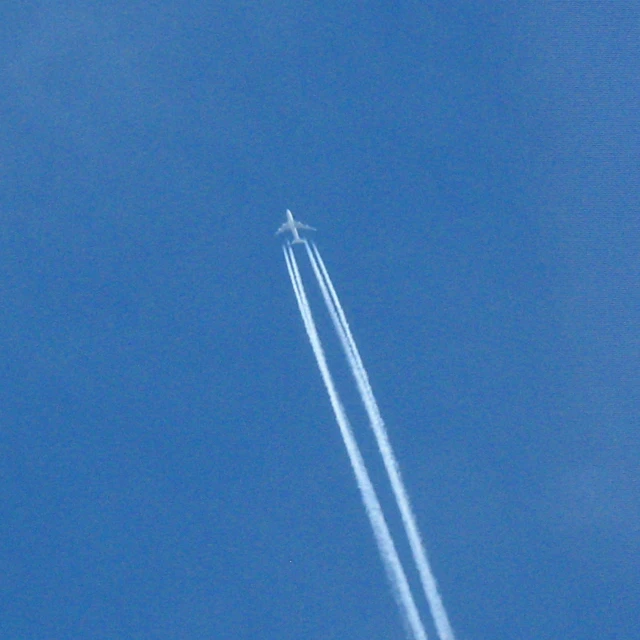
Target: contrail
pixel 441 620
pixel 386 546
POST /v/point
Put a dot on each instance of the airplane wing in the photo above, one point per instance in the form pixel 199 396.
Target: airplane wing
pixel 298 225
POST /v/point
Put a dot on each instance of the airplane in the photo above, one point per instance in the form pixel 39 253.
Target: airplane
pixel 293 226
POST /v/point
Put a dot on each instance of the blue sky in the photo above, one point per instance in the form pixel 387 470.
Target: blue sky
pixel 170 465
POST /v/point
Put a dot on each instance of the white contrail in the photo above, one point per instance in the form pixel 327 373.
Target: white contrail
pixel 391 560
pixel 441 620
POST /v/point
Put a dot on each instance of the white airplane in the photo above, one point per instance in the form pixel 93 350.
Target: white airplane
pixel 293 226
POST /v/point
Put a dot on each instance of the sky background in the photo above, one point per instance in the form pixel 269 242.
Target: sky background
pixel 169 463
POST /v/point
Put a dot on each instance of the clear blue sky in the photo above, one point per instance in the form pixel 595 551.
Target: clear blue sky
pixel 169 464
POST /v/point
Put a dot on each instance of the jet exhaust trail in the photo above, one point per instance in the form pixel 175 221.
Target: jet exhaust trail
pixel 429 585
pixel 386 546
